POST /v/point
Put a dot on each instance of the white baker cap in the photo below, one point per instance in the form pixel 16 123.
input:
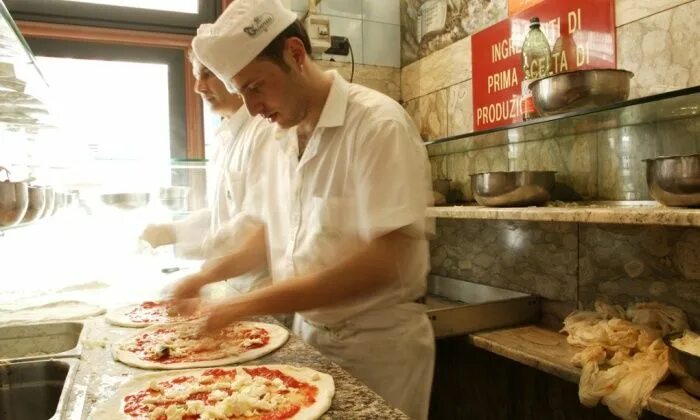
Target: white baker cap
pixel 241 33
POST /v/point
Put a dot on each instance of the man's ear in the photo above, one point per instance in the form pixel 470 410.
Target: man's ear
pixel 295 47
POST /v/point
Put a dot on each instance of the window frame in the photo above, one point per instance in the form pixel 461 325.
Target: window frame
pixel 109 16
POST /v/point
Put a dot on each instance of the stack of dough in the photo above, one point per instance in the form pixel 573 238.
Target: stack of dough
pixel 624 356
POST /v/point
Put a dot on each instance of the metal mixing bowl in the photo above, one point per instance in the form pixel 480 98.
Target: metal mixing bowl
pixel 684 366
pixel 126 201
pixel 512 189
pixel 50 202
pixel 175 198
pixel 580 89
pixel 37 203
pixel 14 199
pixel 675 180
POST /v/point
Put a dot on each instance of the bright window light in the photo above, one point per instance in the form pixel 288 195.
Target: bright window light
pixel 182 6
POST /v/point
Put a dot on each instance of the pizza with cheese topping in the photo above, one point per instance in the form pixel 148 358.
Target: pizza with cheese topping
pixel 183 345
pixel 147 313
pixel 266 392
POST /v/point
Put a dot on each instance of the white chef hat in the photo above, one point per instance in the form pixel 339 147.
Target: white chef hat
pixel 241 33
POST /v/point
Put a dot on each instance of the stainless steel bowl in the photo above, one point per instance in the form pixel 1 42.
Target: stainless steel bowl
pixel 37 203
pixel 175 198
pixel 50 202
pixel 126 201
pixel 14 200
pixel 684 366
pixel 675 180
pixel 580 89
pixel 512 189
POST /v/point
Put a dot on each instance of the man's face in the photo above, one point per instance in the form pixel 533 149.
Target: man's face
pixel 212 90
pixel 271 91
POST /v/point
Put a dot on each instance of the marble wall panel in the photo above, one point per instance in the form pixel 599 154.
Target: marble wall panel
pixel 460 118
pixel 539 258
pixel 630 263
pixel 662 50
pixel 447 67
pixel 384 79
pixel 464 17
pixel 627 11
pixel 433 115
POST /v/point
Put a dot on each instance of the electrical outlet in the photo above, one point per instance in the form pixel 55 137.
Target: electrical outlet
pixel 340 45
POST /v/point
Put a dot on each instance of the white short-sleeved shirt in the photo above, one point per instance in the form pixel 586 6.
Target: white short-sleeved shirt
pixel 364 173
pixel 225 226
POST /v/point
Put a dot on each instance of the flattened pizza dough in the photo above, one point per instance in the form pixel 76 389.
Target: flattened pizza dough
pixel 145 314
pixel 231 393
pixel 55 311
pixel 181 346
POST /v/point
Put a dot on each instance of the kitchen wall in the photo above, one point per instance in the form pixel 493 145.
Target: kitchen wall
pixel 656 39
pixel 373 28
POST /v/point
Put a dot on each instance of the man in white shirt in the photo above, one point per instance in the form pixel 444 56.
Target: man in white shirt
pixel 345 182
pixel 218 229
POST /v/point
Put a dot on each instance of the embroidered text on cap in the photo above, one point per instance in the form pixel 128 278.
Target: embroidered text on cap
pixel 260 23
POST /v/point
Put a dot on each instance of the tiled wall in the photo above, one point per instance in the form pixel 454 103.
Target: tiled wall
pixel 571 265
pixel 656 39
pixel 372 26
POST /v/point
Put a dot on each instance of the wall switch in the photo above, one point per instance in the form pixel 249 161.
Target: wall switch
pixel 319 30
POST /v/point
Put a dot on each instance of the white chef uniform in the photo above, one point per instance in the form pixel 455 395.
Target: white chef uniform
pixel 215 231
pixel 364 173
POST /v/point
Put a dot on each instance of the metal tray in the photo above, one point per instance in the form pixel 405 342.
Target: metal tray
pixel 40 341
pixel 36 389
pixel 457 307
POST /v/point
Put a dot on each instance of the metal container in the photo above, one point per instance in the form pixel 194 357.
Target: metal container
pixel 175 198
pixel 40 341
pixel 512 189
pixel 36 389
pixel 37 203
pixel 126 201
pixel 580 89
pixel 675 180
pixel 14 200
pixel 457 307
pixel 684 366
pixel 50 197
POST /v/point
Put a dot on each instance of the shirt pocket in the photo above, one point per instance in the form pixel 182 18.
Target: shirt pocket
pixel 235 189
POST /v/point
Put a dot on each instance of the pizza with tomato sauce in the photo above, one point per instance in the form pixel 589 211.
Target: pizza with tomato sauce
pixel 147 313
pixel 267 392
pixel 183 345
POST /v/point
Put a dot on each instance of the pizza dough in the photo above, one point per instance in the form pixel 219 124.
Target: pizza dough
pixel 181 346
pixel 55 311
pixel 145 314
pixel 241 392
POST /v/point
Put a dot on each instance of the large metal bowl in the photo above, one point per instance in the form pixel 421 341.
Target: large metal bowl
pixel 675 180
pixel 37 203
pixel 580 89
pixel 175 198
pixel 126 201
pixel 14 199
pixel 684 366
pixel 512 189
pixel 50 194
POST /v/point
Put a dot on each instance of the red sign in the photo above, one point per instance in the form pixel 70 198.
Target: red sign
pixel 588 27
pixel 517 6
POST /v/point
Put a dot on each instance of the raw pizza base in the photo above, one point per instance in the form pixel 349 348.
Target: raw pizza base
pixel 119 317
pixel 112 408
pixel 55 311
pixel 278 336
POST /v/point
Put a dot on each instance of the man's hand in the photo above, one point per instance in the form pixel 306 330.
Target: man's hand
pixel 222 315
pixel 159 235
pixel 185 293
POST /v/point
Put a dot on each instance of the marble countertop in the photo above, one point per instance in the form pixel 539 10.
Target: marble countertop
pixel 98 376
pixel 631 212
pixel 549 352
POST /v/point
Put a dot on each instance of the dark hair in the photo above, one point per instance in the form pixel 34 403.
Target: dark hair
pixel 275 49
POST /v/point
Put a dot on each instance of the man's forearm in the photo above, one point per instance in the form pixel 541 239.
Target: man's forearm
pixel 373 268
pixel 251 255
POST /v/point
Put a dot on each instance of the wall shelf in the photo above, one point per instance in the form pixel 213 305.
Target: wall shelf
pixel 611 212
pixel 549 352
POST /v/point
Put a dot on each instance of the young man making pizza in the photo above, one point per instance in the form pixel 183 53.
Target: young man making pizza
pixel 216 230
pixel 346 182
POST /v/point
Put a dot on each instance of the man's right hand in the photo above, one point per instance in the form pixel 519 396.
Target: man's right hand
pixel 185 293
pixel 159 235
